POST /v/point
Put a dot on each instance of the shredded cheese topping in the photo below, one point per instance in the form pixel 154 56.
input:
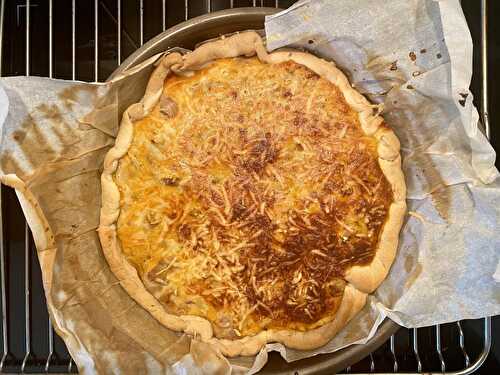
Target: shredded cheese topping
pixel 247 193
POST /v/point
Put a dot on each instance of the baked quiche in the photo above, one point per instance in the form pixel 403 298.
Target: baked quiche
pixel 251 197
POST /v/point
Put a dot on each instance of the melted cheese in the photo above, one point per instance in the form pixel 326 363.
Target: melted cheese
pixel 248 204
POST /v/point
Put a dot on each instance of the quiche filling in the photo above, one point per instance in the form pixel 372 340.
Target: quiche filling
pixel 247 193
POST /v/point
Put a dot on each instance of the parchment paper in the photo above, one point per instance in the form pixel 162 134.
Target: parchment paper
pixel 415 56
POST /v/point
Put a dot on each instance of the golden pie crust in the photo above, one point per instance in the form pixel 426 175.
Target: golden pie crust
pixel 251 197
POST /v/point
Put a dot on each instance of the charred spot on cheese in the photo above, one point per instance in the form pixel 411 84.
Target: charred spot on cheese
pixel 239 210
pixel 259 153
pixel 170 180
pixel 184 231
pixel 259 193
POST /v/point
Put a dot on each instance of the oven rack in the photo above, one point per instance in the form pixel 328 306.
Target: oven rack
pixel 28 341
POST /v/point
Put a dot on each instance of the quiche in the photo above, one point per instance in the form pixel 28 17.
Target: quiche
pixel 251 197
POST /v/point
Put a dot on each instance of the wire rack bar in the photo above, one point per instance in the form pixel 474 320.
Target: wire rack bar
pixel 5 335
pixel 27 302
pixel 141 21
pixel 415 349
pixel 51 346
pixel 372 363
pixel 393 353
pixel 438 347
pixel 73 40
pixel 119 31
pixel 486 121
pixel 5 352
pixel 2 16
pixel 163 15
pixel 484 66
pixel 50 331
pixel 484 354
pixel 96 40
pixel 461 343
pixel 27 306
pixel 50 37
pixel 28 37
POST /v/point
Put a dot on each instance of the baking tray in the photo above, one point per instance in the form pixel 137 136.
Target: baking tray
pixel 186 35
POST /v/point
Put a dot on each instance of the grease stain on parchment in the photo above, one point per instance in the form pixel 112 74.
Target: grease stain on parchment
pixel 50 112
pixel 435 185
pixel 413 276
pixel 441 198
pixel 440 195
pixel 33 144
pixel 414 269
pixel 59 127
pixel 409 261
pixel 9 163
pixel 69 96
pixel 44 135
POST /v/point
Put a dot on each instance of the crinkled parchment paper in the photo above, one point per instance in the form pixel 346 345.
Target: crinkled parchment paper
pixel 415 56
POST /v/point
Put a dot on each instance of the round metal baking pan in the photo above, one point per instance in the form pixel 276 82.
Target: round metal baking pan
pixel 187 35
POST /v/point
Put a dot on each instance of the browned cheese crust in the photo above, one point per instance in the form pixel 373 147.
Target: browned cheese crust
pixel 252 199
